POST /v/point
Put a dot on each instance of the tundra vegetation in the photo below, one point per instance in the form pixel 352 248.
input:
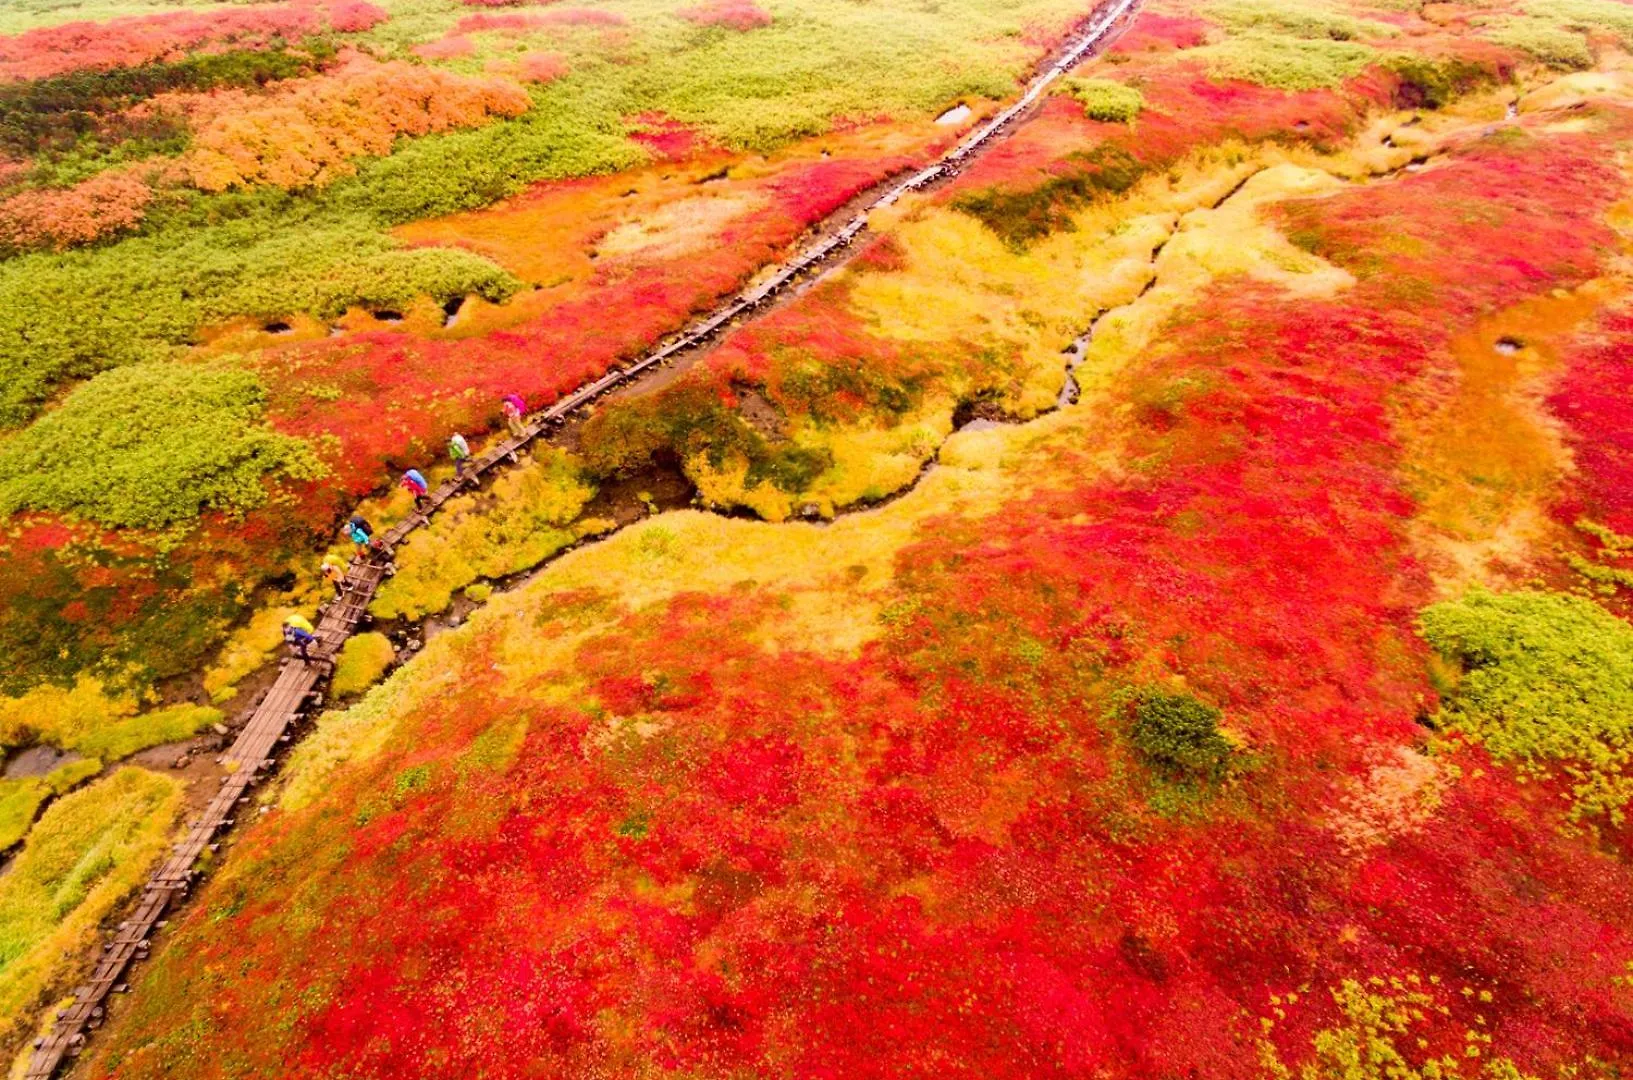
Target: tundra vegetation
pixel 1255 705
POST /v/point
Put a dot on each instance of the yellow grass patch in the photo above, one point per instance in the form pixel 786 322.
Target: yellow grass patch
pixel 86 853
pixel 1483 454
pixel 679 228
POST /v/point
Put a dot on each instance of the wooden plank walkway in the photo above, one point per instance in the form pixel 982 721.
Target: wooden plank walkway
pixel 298 686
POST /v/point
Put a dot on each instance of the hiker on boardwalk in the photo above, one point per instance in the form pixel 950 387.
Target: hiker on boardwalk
pixel 514 409
pixel 361 533
pixel 416 485
pixel 298 633
pixel 334 572
pixel 460 451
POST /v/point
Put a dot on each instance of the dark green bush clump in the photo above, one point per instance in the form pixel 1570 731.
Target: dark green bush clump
pixel 1023 217
pixel 1434 84
pixel 1179 736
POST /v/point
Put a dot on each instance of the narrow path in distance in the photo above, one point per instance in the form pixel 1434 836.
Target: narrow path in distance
pixel 298 686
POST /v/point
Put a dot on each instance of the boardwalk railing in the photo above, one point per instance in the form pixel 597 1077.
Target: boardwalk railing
pixel 297 688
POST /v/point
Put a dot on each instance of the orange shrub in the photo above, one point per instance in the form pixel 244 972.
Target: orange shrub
pixel 446 48
pixel 307 132
pixel 543 67
pixel 60 218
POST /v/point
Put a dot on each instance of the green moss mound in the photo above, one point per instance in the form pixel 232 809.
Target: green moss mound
pixel 1301 21
pixel 1557 46
pixel 1179 736
pixel 1546 682
pixel 125 737
pixel 20 799
pixel 1106 101
pixel 1286 63
pixel 151 445
pixel 363 659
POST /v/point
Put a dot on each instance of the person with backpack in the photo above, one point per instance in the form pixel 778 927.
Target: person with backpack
pixel 415 483
pixel 361 533
pixel 515 409
pixel 299 635
pixel 334 572
pixel 460 451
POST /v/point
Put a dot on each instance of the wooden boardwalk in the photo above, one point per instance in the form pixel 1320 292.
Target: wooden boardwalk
pixel 298 686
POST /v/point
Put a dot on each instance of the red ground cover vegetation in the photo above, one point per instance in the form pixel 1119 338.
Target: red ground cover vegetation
pixel 943 855
pixel 516 20
pixel 142 39
pixel 568 344
pixel 665 136
pixel 446 48
pixel 1157 32
pixel 732 14
pixel 1592 403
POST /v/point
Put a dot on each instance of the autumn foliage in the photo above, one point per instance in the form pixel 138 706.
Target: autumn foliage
pixel 106 204
pixel 142 39
pixel 542 67
pixel 731 14
pixel 1127 732
pixel 309 132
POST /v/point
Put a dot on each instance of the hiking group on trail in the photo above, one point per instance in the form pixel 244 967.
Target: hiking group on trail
pixel 298 631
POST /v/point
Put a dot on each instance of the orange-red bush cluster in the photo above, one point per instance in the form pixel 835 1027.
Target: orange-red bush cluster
pixel 446 48
pixel 129 42
pixel 543 67
pixel 732 14
pixel 59 218
pixel 515 20
pixel 307 132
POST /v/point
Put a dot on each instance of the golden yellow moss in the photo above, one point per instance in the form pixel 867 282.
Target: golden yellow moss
pixel 88 718
pixel 528 516
pixel 85 854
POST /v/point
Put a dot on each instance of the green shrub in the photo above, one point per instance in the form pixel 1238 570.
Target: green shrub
pixel 1296 20
pixel 1554 45
pixel 1547 684
pixel 150 445
pixel 391 279
pixel 1285 63
pixel 1585 14
pixel 363 659
pixel 123 738
pixel 1107 101
pixel 1179 736
pixel 72 314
